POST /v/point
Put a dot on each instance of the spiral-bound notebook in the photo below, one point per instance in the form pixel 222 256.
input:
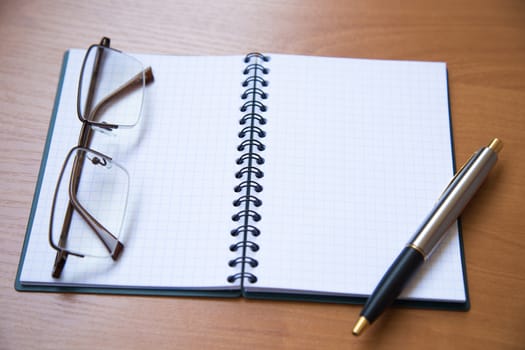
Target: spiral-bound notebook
pixel 275 176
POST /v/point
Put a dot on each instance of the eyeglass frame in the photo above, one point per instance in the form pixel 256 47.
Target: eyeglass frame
pixel 86 134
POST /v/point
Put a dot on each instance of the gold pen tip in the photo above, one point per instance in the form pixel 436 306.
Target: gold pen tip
pixel 361 324
pixel 496 145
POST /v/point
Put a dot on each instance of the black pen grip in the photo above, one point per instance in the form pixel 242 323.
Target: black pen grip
pixel 392 283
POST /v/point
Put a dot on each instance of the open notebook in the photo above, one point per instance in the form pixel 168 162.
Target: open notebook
pixel 354 153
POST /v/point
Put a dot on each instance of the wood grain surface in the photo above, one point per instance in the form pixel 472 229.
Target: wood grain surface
pixel 483 43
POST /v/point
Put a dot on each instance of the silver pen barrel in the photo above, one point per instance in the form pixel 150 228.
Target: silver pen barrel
pixel 457 194
pixel 455 197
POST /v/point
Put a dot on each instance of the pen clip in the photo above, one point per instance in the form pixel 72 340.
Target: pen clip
pixel 464 167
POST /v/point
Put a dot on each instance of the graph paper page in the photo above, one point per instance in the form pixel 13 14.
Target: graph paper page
pixel 181 161
pixel 357 153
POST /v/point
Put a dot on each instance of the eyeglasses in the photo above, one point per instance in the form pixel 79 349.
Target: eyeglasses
pixel 90 199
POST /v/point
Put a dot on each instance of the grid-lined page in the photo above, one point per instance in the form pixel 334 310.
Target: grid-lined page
pixel 180 158
pixel 357 152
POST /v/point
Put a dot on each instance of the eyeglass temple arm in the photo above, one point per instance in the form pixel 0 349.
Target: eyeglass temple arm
pixel 112 244
pixel 60 262
pixel 78 164
pixel 133 83
pixel 84 140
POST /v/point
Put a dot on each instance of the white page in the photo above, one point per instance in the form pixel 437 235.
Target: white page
pixel 357 153
pixel 181 159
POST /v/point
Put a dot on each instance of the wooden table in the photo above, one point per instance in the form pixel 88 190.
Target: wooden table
pixel 483 43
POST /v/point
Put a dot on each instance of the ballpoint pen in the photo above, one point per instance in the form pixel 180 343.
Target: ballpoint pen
pixel 447 209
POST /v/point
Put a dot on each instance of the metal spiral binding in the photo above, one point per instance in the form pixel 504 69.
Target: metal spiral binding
pixel 249 161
